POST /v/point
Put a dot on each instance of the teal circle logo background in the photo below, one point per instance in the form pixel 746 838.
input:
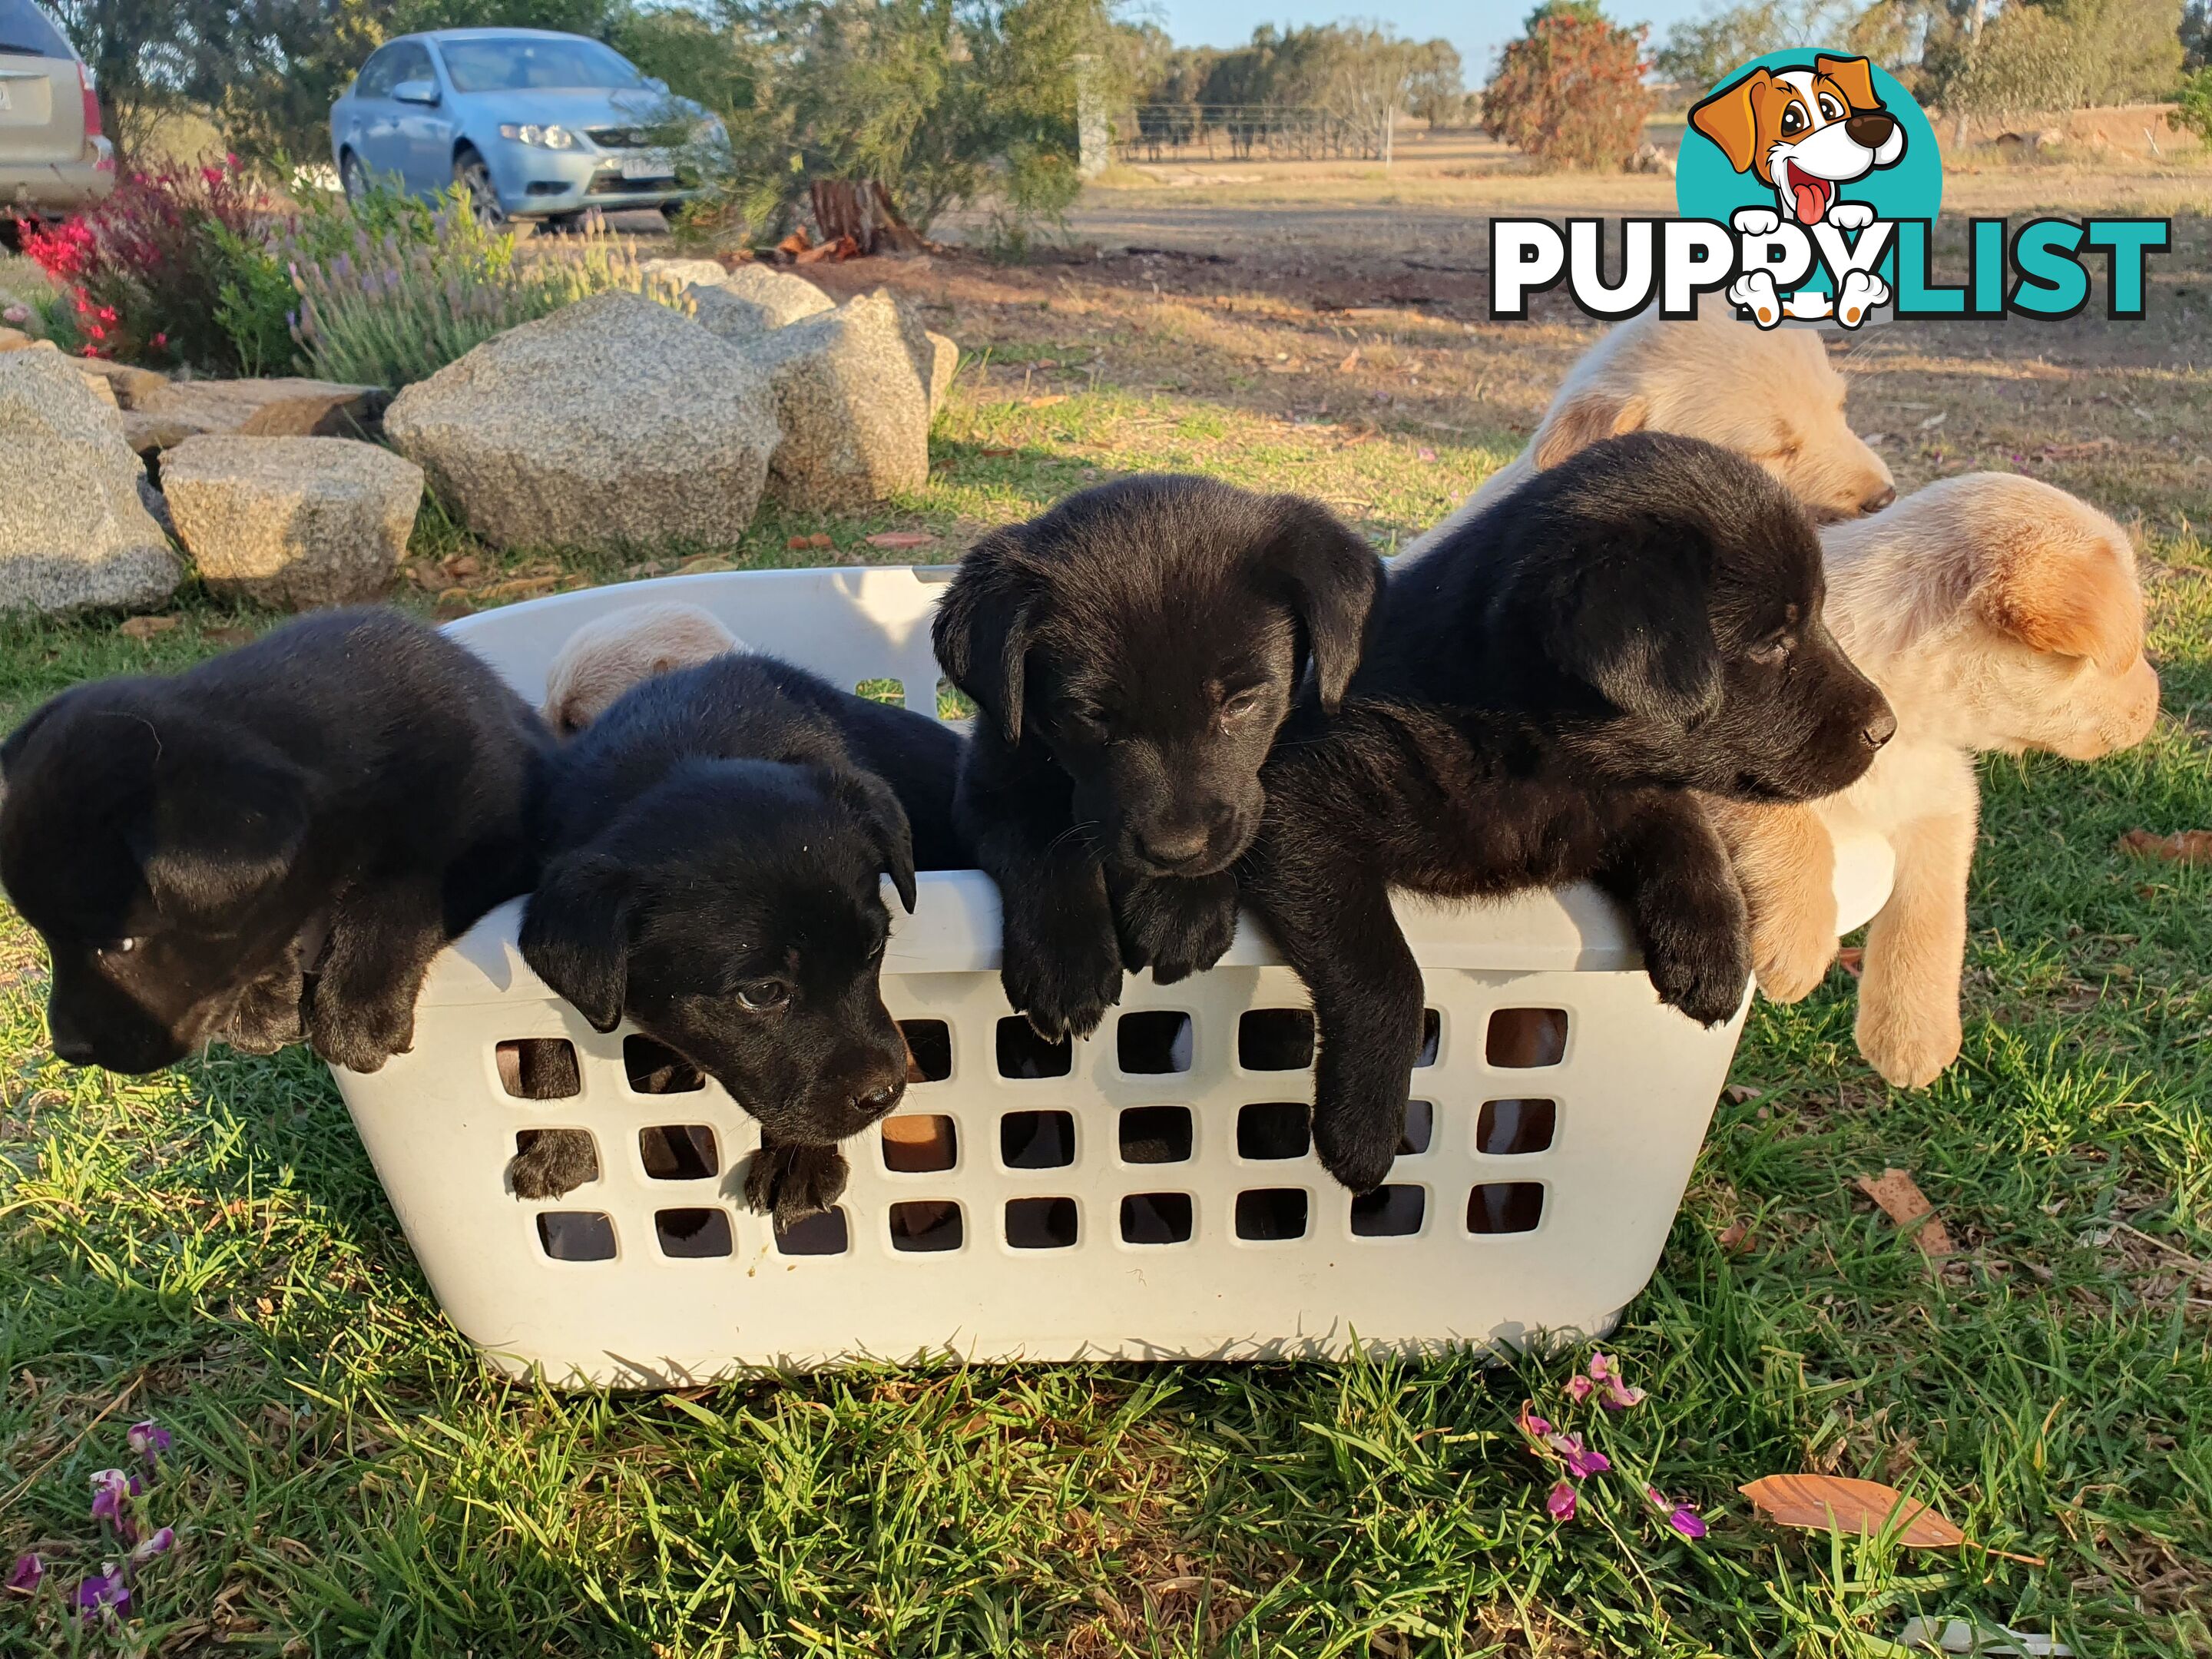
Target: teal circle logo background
pixel 1707 187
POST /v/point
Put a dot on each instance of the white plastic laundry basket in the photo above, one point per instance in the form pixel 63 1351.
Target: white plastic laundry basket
pixel 1156 1199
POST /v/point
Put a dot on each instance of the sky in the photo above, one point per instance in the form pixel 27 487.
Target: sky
pixel 1477 28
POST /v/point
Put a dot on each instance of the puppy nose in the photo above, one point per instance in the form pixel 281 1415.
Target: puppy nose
pixel 1870 130
pixel 874 1104
pixel 76 1050
pixel 1882 498
pixel 1170 847
pixel 1881 729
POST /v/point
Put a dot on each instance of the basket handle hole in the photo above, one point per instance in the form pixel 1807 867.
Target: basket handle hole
pixel 822 1234
pixel 576 1235
pixel 678 1151
pixel 696 1234
pixel 1521 1037
pixel 539 1068
pixel 927 1225
pixel 928 1049
pixel 1420 1128
pixel 1432 1036
pixel 1275 1039
pixel 1272 1212
pixel 916 1143
pixel 1036 1140
pixel 1157 1219
pixel 1041 1224
pixel 1390 1212
pixel 1156 1134
pixel 654 1068
pixel 1270 1129
pixel 1153 1043
pixel 1510 1129
pixel 1023 1053
pixel 1505 1207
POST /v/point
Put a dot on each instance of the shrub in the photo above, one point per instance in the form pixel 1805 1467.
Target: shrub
pixel 1571 92
pixel 396 304
pixel 144 271
pixel 2193 112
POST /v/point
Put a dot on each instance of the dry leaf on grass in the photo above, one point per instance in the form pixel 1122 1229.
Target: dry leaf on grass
pixel 801 543
pixel 1852 959
pixel 1350 362
pixel 144 627
pixel 1818 1503
pixel 998 454
pixel 901 538
pixel 2182 847
pixel 228 635
pixel 1045 401
pixel 1903 1202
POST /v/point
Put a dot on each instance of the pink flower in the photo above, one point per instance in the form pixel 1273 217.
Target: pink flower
pixel 1560 1501
pixel 1531 1425
pixel 212 175
pixel 1680 1516
pixel 1582 1461
pixel 29 1569
pixel 1605 1371
pixel 162 339
pixel 103 1592
pixel 107 313
pixel 111 1492
pixel 149 1438
pixel 154 1544
pixel 1580 1388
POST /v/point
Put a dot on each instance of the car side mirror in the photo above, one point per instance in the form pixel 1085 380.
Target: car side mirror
pixel 416 92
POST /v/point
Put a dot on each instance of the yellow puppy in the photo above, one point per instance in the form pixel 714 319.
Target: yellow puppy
pixel 604 658
pixel 1995 613
pixel 1771 394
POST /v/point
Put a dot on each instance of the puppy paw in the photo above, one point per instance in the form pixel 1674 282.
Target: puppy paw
pixel 1177 928
pixel 555 1163
pixel 1755 293
pixel 1065 987
pixel 791 1182
pixel 1850 216
pixel 1703 976
pixel 1756 221
pixel 1790 962
pixel 363 1036
pixel 1359 1146
pixel 1861 291
pixel 1910 1047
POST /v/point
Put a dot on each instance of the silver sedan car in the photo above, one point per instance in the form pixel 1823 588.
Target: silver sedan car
pixel 53 157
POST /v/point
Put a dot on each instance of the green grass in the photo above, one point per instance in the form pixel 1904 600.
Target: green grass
pixel 211 1246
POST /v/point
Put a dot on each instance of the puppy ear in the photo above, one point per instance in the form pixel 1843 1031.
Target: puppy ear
pixel 1586 418
pixel 1729 120
pixel 1854 76
pixel 209 840
pixel 1330 577
pixel 1637 630
pixel 2075 597
pixel 981 633
pixel 878 810
pixel 575 935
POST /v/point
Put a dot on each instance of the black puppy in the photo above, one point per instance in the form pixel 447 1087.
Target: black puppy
pixel 715 845
pixel 275 843
pixel 1135 651
pixel 1543 690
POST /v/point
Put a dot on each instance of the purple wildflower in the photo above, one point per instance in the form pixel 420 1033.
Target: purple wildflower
pixel 154 1544
pixel 1680 1516
pixel 1533 1425
pixel 149 1440
pixel 111 1492
pixel 1582 1461
pixel 106 1591
pixel 1605 1371
pixel 1560 1501
pixel 29 1569
pixel 1580 1388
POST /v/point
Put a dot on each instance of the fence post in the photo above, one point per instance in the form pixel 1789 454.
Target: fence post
pixel 1389 131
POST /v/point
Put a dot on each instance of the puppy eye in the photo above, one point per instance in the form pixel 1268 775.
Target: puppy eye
pixel 763 994
pixel 1242 704
pixel 1767 653
pixel 116 947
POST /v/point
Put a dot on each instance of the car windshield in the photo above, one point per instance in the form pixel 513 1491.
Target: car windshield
pixel 26 33
pixel 520 63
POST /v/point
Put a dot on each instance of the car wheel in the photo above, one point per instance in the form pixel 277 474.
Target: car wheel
pixel 353 178
pixel 472 175
pixel 562 224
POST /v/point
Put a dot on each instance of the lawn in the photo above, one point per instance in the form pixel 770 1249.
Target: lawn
pixel 209 1246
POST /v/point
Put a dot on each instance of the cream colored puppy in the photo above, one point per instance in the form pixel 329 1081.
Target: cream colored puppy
pixel 1770 394
pixel 604 658
pixel 1995 613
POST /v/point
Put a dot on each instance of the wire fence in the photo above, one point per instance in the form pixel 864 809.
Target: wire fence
pixel 1251 132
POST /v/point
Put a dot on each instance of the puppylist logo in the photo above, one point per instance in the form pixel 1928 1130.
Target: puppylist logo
pixel 1808 184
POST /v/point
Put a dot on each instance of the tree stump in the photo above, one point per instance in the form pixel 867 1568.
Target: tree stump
pixel 861 209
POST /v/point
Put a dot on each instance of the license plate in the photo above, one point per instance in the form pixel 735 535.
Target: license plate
pixel 645 166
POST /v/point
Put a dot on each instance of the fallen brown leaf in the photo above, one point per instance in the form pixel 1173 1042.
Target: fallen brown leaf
pixel 704 562
pixel 1904 1203
pixel 1350 362
pixel 461 566
pixel 821 540
pixel 1818 1503
pixel 901 538
pixel 798 543
pixel 1731 1237
pixel 1046 401
pixel 1852 959
pixel 998 454
pixel 521 587
pixel 144 627
pixel 226 634
pixel 452 606
pixel 2183 847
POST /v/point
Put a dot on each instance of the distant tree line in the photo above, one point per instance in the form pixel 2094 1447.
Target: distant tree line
pixel 1352 71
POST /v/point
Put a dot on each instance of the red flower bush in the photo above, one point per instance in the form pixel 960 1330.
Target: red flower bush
pixel 1571 92
pixel 145 270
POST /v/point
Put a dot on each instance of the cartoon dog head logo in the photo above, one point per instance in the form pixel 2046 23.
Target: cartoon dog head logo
pixel 1803 131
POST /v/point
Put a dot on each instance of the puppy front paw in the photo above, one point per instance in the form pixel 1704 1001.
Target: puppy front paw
pixel 1702 974
pixel 361 1036
pixel 1177 928
pixel 1756 221
pixel 1910 1047
pixel 1791 955
pixel 1358 1146
pixel 1065 985
pixel 555 1164
pixel 791 1182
